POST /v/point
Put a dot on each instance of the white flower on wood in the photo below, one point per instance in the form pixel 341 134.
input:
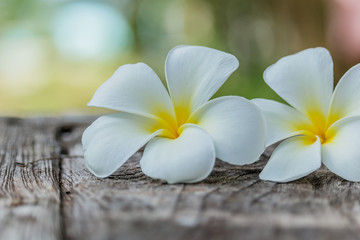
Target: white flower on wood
pixel 320 125
pixel 183 131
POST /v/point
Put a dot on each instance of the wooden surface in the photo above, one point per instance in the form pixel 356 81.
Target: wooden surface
pixel 47 193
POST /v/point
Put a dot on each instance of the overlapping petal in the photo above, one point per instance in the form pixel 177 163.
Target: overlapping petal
pixel 177 149
pixel 236 127
pixel 292 159
pixel 134 88
pixel 112 139
pixel 304 80
pixel 195 73
pixel 188 158
pixel 345 101
pixel 341 153
pixel 282 121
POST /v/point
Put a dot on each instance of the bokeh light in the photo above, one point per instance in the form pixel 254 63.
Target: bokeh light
pixel 90 30
pixel 54 54
pixel 24 62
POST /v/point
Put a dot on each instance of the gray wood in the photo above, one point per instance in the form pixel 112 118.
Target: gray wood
pixel 29 185
pixel 47 193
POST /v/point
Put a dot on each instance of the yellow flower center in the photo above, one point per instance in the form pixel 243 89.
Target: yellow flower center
pixel 319 127
pixel 172 126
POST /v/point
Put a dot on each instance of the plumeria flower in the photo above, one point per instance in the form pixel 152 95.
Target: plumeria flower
pixel 321 126
pixel 183 131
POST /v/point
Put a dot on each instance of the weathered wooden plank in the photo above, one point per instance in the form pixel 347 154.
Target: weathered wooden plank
pixel 29 180
pixel 231 204
pixel 35 203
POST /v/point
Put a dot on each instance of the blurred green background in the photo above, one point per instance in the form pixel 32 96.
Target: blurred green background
pixel 55 53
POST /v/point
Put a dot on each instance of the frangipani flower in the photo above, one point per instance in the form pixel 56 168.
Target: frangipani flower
pixel 321 126
pixel 184 131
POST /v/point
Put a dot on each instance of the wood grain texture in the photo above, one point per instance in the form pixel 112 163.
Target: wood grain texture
pixel 29 185
pixel 47 193
pixel 232 203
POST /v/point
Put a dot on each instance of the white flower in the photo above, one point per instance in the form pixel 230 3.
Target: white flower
pixel 184 131
pixel 321 126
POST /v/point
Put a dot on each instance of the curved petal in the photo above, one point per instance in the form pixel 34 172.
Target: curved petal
pixel 346 97
pixel 134 88
pixel 195 73
pixel 304 80
pixel 236 127
pixel 341 153
pixel 282 121
pixel 188 158
pixel 293 159
pixel 112 139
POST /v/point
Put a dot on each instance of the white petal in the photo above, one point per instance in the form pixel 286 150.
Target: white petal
pixel 113 139
pixel 294 158
pixel 341 154
pixel 282 121
pixel 236 127
pixel 134 88
pixel 195 73
pixel 346 97
pixel 304 80
pixel 188 158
